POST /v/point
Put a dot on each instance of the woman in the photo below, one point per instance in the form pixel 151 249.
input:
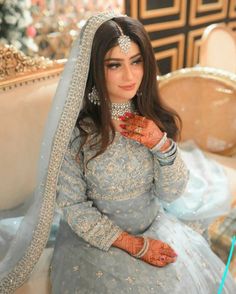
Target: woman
pixel 120 168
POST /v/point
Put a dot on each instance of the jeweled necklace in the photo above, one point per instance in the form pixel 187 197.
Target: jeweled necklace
pixel 119 109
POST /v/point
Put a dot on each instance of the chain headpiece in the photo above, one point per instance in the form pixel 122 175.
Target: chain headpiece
pixel 124 41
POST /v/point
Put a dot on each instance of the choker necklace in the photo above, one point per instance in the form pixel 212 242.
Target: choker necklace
pixel 119 109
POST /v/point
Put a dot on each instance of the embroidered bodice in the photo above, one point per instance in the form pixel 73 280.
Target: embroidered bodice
pixel 120 189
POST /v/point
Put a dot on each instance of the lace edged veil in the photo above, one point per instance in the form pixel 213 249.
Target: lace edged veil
pixel 31 237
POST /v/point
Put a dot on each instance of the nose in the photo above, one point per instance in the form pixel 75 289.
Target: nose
pixel 128 73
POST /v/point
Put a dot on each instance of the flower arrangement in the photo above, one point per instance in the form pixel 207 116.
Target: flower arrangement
pixel 16 25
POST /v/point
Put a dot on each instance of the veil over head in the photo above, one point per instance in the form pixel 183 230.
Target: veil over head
pixel 30 239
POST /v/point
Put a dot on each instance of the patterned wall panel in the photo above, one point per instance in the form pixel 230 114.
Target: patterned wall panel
pixel 232 25
pixel 193 48
pixel 175 27
pixel 175 52
pixel 203 12
pixel 232 15
pixel 178 9
pixel 232 9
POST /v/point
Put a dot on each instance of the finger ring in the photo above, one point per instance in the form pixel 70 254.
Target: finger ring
pixel 138 130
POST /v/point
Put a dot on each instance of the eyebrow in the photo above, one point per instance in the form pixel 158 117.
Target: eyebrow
pixel 120 59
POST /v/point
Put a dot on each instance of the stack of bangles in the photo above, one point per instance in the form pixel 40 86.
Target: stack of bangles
pixel 161 143
pixel 144 249
pixel 168 156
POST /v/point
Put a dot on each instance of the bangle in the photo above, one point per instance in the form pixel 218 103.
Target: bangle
pixel 144 249
pixel 160 144
pixel 168 153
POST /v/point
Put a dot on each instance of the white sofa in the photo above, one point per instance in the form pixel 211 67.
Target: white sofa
pixel 25 101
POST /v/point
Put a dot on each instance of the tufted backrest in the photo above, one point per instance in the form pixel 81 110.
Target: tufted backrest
pixel 205 99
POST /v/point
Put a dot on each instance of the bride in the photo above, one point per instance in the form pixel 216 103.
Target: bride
pixel 121 171
pixel 111 165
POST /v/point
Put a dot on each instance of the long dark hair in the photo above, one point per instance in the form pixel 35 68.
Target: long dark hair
pixel 148 104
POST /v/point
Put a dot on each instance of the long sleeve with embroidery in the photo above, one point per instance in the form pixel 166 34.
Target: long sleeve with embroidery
pixel 170 174
pixel 84 219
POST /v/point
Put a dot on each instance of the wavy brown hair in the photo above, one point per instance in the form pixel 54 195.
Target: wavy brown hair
pixel 149 104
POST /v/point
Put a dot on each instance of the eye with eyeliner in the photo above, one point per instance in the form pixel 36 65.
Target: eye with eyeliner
pixel 138 60
pixel 114 65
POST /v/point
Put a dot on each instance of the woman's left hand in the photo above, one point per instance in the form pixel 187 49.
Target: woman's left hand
pixel 141 129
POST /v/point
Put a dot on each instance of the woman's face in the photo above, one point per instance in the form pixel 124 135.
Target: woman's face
pixel 123 73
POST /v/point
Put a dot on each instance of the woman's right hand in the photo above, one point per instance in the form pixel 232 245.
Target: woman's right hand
pixel 159 253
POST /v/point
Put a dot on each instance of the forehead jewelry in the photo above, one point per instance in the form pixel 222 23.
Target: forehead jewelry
pixel 124 41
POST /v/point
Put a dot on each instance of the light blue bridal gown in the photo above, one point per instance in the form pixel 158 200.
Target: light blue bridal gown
pixel 127 188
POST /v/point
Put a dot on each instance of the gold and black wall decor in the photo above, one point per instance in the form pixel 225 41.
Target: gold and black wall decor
pixel 175 27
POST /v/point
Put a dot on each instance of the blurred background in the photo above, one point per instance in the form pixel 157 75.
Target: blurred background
pixel 48 27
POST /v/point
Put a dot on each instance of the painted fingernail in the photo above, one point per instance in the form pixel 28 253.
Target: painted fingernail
pixel 123 133
pixel 123 126
pixel 129 114
pixel 122 118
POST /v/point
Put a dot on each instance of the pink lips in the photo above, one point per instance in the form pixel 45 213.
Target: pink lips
pixel 128 87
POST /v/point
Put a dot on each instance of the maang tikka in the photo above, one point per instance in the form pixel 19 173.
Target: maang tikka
pixel 124 41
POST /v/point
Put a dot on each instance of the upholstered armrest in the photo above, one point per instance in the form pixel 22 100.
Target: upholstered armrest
pixel 25 100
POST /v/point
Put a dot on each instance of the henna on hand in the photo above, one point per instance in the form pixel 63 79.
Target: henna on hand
pixel 143 130
pixel 159 253
pixel 129 243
